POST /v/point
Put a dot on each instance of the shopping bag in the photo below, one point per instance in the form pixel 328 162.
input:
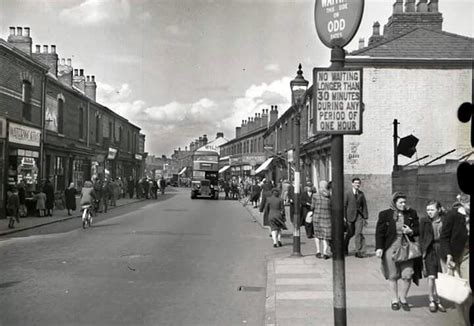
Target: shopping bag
pixel 408 250
pixel 309 217
pixel 452 288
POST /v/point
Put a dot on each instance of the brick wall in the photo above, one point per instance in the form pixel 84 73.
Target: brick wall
pixel 424 101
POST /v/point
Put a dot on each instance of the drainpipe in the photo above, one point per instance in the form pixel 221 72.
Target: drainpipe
pixel 43 135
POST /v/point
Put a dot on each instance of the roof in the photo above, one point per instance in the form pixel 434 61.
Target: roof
pixel 23 55
pixel 421 43
pixel 254 132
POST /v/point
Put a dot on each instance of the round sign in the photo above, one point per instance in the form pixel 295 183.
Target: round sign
pixel 337 21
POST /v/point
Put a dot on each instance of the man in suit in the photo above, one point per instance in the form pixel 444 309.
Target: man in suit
pixel 356 215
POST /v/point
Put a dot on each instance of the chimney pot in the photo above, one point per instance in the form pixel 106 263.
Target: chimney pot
pixel 398 7
pixel 409 5
pixel 376 29
pixel 88 78
pixel 53 48
pixel 27 31
pixel 93 78
pixel 69 62
pixel 38 48
pixel 45 49
pixel 76 72
pixel 422 6
pixel 433 6
pixel 361 43
pixel 12 30
pixel 81 72
pixel 19 31
pixel 63 61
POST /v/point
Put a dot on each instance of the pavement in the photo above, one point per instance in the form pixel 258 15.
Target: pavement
pixel 32 222
pixel 299 291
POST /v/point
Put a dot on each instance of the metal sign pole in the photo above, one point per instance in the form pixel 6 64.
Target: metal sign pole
pixel 337 213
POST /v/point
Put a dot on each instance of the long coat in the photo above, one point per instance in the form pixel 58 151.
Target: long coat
pixel 70 196
pixel 275 211
pixel 386 235
pixel 262 209
pixel 306 201
pixel 49 191
pixel 454 236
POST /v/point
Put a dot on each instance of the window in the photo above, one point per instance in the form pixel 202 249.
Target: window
pixel 26 97
pixel 81 123
pixel 97 128
pixel 310 116
pixel 60 116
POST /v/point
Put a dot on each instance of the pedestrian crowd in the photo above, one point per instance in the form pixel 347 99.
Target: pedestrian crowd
pixel 409 248
pixel 100 192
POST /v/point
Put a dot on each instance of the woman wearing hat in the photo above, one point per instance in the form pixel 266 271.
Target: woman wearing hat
pixel 391 225
pixel 276 216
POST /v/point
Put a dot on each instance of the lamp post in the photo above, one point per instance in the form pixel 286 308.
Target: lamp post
pixel 299 85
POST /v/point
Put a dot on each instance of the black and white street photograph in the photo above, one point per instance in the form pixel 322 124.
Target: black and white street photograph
pixel 236 162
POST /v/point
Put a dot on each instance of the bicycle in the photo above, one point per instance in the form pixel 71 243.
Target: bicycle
pixel 86 215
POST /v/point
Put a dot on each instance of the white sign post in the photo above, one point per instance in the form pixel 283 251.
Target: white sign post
pixel 338 100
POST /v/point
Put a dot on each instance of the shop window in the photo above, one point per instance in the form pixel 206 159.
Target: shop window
pixel 59 173
pixel 60 116
pixel 26 98
pixel 81 123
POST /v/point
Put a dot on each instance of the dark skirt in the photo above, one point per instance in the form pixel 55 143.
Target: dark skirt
pixel 277 223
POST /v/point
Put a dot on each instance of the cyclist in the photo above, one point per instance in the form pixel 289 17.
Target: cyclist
pixel 87 197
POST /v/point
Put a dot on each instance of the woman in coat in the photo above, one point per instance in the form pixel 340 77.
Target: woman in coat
pixel 454 245
pixel 48 189
pixel 430 231
pixel 391 224
pixel 276 216
pixel 306 201
pixel 321 207
pixel 266 192
pixel 70 196
pixel 40 202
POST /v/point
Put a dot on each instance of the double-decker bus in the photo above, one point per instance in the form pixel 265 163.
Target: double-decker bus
pixel 205 172
pixel 204 181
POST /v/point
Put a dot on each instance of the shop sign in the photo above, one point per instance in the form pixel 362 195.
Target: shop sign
pixel 24 135
pixel 337 21
pixel 138 157
pixel 290 156
pixel 28 161
pixel 338 100
pixel 112 153
pixel 255 159
pixel 3 127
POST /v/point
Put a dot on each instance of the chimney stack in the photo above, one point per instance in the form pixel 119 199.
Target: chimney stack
pixel 90 87
pixel 376 37
pixel 237 132
pixel 204 139
pixel 78 80
pixel 273 114
pixel 220 134
pixel 361 43
pixel 48 58
pixel 19 40
pixel 265 118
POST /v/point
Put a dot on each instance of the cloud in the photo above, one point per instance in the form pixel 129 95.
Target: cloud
pixel 175 124
pixel 174 30
pixel 129 59
pixel 96 12
pixel 272 67
pixel 144 16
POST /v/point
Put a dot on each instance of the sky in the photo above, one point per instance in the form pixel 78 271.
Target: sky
pixel 179 69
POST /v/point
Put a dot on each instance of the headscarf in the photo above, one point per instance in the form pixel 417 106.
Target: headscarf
pixel 395 197
pixel 323 188
pixel 71 185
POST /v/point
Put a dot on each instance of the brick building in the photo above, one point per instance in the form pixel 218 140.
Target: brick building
pixel 413 72
pixel 245 153
pixel 57 129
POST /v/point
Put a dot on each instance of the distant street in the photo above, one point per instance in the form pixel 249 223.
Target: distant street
pixel 172 262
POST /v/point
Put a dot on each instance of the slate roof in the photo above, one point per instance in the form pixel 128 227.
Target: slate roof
pixel 422 43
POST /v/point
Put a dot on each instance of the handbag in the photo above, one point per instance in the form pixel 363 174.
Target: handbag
pixel 309 217
pixel 408 250
pixel 452 288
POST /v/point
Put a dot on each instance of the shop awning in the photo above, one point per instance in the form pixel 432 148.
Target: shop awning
pixel 182 170
pixel 264 165
pixel 224 168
